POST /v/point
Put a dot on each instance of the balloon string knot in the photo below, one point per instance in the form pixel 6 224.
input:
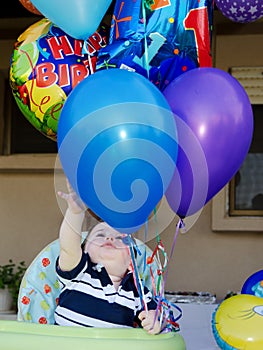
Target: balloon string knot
pixel 181 224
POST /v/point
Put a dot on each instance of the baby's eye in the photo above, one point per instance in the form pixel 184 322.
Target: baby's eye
pixel 119 237
pixel 100 234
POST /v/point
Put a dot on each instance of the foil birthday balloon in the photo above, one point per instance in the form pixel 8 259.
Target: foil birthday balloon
pixel 45 66
pixel 125 146
pixel 159 39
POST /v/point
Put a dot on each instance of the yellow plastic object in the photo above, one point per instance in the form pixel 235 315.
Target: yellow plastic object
pixel 238 323
pixel 15 335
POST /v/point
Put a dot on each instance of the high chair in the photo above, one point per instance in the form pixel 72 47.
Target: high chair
pixel 37 301
pixel 39 288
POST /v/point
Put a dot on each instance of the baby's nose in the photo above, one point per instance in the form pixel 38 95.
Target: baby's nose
pixel 110 237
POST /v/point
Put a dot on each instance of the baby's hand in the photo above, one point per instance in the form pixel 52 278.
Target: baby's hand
pixel 150 322
pixel 75 204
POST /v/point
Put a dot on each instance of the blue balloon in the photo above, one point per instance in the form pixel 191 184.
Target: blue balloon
pixel 78 18
pixel 254 284
pixel 117 143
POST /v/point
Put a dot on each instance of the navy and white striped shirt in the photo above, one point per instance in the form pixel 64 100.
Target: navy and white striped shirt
pixel 88 298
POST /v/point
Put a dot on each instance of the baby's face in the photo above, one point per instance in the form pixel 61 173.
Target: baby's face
pixel 103 234
pixel 105 245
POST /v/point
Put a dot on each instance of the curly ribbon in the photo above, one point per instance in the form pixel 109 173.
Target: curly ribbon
pixel 135 271
pixel 147 63
pixel 164 306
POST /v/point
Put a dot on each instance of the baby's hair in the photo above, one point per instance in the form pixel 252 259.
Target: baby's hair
pixel 93 220
pixel 95 216
pixel 90 221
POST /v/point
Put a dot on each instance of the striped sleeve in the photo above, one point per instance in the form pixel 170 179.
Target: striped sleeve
pixel 66 276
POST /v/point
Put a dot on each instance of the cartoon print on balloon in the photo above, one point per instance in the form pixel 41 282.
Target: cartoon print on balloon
pixel 159 39
pixel 237 323
pixel 258 289
pixel 45 66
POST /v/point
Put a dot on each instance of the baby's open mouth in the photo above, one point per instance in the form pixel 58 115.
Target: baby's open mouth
pixel 108 245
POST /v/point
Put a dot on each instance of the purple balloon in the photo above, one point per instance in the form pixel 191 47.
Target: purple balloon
pixel 242 11
pixel 215 123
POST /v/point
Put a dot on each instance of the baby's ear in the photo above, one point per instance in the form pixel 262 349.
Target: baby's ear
pixel 130 267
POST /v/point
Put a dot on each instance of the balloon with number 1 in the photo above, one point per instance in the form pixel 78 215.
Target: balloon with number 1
pixel 159 39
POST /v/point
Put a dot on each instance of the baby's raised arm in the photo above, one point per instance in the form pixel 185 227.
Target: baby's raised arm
pixel 71 230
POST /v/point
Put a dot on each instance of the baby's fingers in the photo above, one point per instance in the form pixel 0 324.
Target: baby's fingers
pixel 142 315
pixel 62 195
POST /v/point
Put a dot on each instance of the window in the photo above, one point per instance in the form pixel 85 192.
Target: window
pixel 238 206
pixel 22 147
pixel 246 188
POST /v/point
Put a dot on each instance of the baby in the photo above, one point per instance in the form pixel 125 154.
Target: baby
pixel 97 283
